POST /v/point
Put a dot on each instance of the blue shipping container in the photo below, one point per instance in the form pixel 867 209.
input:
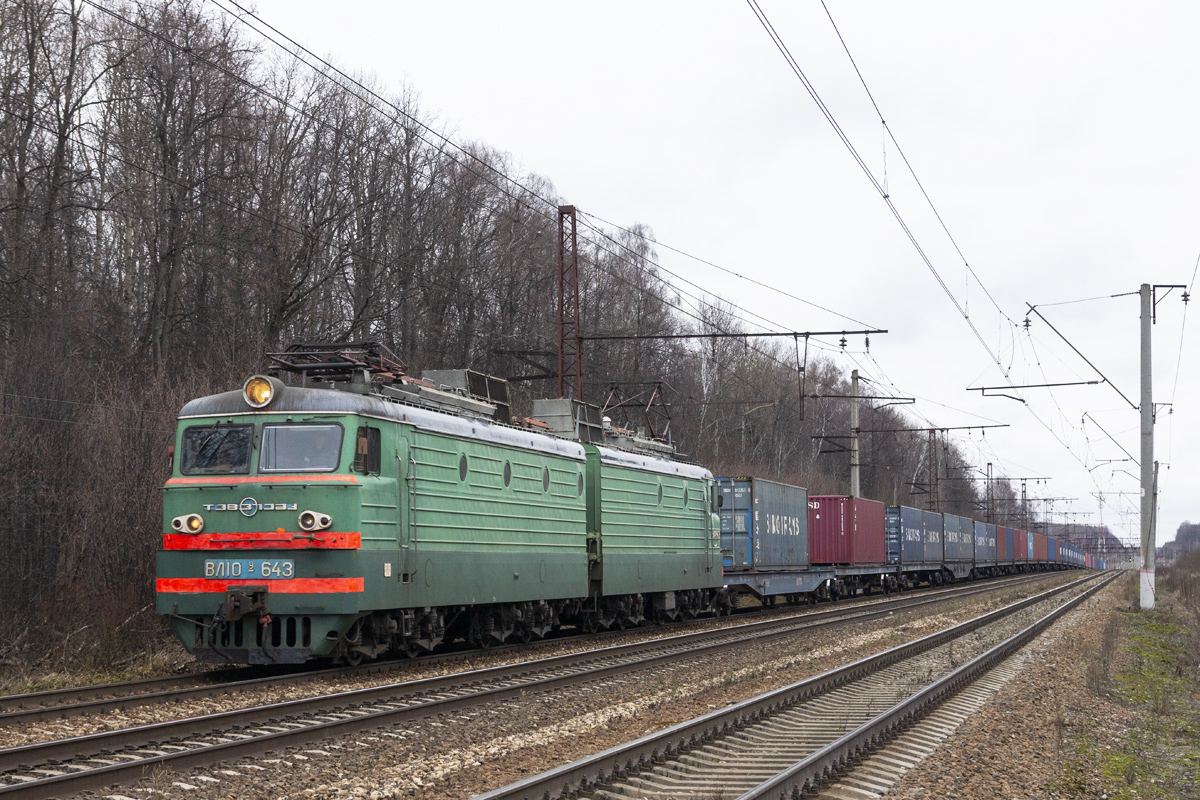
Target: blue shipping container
pixel 734 512
pixel 764 524
pixel 985 543
pixel 959 538
pixel 934 536
pixel 905 529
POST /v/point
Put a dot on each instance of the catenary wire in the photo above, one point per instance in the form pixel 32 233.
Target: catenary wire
pixel 636 261
pixel 795 67
pixel 909 166
pixel 248 13
pixel 777 40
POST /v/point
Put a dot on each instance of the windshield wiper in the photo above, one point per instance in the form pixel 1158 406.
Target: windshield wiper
pixel 212 433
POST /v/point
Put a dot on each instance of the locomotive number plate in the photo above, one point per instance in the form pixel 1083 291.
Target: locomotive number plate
pixel 249 568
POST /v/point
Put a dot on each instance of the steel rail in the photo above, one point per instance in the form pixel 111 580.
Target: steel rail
pixel 10 758
pixel 841 755
pixel 21 709
pixel 615 763
pixel 508 681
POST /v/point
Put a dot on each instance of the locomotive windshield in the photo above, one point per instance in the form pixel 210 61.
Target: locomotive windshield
pixel 216 450
pixel 300 448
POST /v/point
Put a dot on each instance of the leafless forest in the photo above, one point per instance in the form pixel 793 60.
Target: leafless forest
pixel 175 201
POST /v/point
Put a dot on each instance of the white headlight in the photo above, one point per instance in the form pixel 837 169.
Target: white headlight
pixel 314 521
pixel 188 523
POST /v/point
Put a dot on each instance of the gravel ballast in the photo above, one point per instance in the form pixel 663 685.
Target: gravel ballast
pixel 1017 744
pixel 447 757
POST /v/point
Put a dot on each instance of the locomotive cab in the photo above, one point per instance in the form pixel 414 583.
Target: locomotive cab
pixel 263 524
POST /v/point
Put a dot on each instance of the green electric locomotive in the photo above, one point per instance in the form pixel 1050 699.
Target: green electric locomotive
pixel 338 508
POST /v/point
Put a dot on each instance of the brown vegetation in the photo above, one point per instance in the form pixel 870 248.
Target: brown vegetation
pixel 175 200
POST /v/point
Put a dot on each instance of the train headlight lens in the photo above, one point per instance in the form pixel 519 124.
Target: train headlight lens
pixel 258 391
pixel 188 523
pixel 314 521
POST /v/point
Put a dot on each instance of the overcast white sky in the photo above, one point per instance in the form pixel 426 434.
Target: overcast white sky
pixel 1057 140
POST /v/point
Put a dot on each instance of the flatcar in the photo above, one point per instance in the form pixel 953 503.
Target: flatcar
pixel 780 543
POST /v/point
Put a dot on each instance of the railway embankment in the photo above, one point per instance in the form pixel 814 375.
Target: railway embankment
pixel 1108 709
pixel 457 755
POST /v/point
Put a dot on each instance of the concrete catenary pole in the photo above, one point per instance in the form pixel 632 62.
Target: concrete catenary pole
pixel 854 487
pixel 1147 460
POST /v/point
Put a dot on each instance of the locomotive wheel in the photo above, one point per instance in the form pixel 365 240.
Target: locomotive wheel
pixel 353 637
pixel 412 650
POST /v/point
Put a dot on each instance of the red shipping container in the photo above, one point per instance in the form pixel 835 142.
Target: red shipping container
pixel 1039 547
pixel 1020 546
pixel 845 530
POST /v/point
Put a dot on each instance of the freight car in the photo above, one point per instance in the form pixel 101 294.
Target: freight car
pixel 363 511
pixel 857 546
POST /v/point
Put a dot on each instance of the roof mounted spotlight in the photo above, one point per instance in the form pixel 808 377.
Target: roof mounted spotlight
pixel 259 390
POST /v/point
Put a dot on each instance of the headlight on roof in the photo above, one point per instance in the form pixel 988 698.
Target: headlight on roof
pixel 258 391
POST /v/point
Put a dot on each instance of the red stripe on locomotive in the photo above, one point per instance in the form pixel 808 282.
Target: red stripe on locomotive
pixel 266 540
pixel 293 586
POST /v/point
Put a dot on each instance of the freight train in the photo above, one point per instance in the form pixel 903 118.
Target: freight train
pixel 339 508
pixel 779 542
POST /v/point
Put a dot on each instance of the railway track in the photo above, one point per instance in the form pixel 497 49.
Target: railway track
pixel 795 739
pixel 22 709
pixel 68 766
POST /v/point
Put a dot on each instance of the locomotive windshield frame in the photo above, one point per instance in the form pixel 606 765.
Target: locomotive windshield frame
pixel 216 449
pixel 301 447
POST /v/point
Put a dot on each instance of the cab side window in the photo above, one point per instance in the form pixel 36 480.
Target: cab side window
pixel 367 451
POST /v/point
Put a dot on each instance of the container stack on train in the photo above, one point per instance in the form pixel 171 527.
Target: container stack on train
pixel 848 533
pixel 765 538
